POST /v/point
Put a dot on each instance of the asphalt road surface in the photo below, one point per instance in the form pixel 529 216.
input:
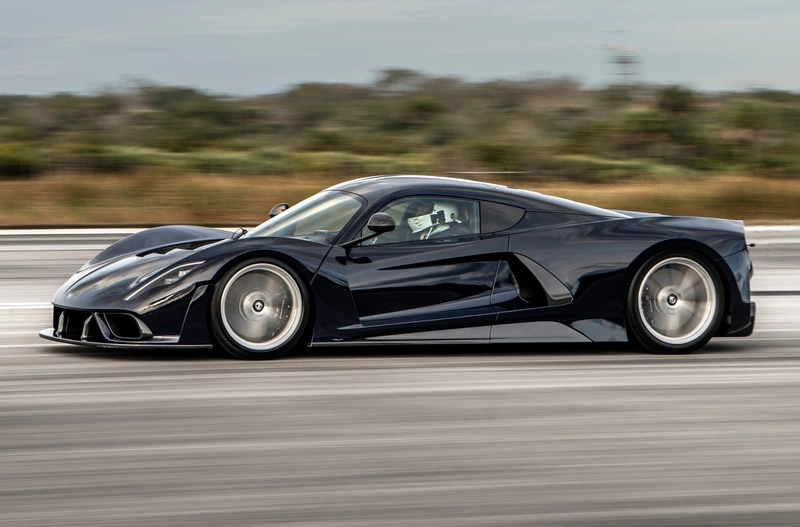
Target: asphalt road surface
pixel 530 435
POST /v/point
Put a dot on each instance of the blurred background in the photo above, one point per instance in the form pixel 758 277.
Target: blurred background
pixel 205 112
pixel 128 114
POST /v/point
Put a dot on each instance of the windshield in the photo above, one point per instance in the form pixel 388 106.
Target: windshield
pixel 318 218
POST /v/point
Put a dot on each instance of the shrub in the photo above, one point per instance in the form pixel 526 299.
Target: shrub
pixel 358 165
pixel 500 156
pixel 675 100
pixel 18 160
pixel 97 158
pixel 322 140
pixel 751 114
pixel 641 121
pixel 587 168
pixel 422 110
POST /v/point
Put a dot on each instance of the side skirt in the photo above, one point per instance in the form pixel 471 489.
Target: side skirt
pixel 524 332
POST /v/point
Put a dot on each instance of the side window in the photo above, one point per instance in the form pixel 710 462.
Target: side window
pixel 429 218
pixel 496 217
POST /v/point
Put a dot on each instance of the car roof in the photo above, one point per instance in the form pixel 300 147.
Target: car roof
pixel 374 188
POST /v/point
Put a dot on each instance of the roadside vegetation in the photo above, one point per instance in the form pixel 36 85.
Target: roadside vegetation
pixel 151 154
pixel 146 198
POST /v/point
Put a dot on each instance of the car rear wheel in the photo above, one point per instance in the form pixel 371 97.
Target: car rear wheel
pixel 259 310
pixel 675 303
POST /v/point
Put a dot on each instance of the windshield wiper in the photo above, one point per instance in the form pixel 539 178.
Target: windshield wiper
pixel 238 233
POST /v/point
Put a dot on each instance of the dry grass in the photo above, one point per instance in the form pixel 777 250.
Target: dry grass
pixel 736 197
pixel 150 199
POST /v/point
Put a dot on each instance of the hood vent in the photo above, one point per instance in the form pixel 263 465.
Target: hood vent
pixel 188 247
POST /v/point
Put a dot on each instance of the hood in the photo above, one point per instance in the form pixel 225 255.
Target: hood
pixel 159 239
pixel 107 283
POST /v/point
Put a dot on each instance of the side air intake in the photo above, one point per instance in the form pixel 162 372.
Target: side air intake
pixel 529 281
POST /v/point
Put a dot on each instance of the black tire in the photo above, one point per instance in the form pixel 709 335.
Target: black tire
pixel 260 310
pixel 683 309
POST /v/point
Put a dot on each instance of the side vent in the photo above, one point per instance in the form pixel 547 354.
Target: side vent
pixel 529 288
pixel 533 283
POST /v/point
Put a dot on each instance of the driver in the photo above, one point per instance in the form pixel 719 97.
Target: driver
pixel 433 222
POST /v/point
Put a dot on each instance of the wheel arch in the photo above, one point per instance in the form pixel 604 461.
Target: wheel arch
pixel 295 265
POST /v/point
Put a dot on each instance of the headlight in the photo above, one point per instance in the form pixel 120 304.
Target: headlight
pixel 168 277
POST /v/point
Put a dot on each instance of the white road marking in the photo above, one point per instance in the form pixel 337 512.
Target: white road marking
pixel 69 232
pixel 774 241
pixel 772 228
pixel 754 339
pixel 82 232
pixel 51 248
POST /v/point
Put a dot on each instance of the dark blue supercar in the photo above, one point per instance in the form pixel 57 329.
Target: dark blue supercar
pixel 413 259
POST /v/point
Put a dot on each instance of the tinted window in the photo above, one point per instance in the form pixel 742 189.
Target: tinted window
pixel 497 217
pixel 429 218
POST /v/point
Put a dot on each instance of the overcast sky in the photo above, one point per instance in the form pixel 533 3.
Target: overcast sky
pixel 258 46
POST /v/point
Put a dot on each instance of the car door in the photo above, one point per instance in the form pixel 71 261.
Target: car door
pixel 431 274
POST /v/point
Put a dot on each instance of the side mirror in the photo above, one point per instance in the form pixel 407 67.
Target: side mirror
pixel 379 223
pixel 277 209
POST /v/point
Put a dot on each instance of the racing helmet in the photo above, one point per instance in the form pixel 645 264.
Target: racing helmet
pixel 443 212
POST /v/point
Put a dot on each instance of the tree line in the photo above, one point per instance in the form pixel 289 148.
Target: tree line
pixel 407 122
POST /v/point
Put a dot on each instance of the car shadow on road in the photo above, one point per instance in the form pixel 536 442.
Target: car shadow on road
pixel 464 350
pixel 587 351
pixel 565 351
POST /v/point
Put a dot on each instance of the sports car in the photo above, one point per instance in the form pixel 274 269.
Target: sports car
pixel 416 259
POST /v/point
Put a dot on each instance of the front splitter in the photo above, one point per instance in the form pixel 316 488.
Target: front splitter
pixel 49 334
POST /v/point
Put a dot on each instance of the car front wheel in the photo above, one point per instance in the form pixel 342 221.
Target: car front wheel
pixel 259 310
pixel 675 303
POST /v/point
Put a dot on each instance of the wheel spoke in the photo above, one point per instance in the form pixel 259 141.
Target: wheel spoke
pixel 688 313
pixel 674 276
pixel 688 281
pixel 274 287
pixel 657 279
pixel 673 322
pixel 677 300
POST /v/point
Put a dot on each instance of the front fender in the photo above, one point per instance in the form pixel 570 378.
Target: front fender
pixel 105 286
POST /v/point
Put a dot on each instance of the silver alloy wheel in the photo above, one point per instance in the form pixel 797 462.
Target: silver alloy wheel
pixel 677 300
pixel 261 307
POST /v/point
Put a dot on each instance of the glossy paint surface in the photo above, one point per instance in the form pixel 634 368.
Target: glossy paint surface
pixel 402 281
pixel 460 289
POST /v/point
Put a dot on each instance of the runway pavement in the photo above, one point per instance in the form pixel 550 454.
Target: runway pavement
pixel 544 435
